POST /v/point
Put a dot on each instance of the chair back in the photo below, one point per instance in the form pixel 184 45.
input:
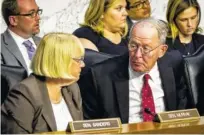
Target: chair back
pixel 194 74
pixel 93 57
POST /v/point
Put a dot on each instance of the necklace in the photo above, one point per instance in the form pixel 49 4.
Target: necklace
pixel 187 43
pixel 187 49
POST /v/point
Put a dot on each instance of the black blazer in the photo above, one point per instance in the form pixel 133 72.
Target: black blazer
pixel 198 40
pixel 105 90
pixel 28 109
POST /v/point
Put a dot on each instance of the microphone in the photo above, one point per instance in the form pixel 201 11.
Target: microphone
pixel 148 111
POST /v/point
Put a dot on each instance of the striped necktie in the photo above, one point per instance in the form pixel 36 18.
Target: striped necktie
pixel 30 48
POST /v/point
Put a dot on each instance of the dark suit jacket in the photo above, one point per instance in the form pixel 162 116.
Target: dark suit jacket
pixel 105 90
pixel 10 53
pixel 198 40
pixel 28 109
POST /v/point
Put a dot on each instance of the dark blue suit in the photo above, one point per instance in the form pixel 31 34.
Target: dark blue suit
pixel 105 89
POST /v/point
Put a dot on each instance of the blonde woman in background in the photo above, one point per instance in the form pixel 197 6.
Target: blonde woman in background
pixel 105 26
pixel 49 98
pixel 183 18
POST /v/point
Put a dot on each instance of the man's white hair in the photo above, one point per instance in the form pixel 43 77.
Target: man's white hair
pixel 161 27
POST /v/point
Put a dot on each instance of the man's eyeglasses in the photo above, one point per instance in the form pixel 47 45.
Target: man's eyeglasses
pixel 79 60
pixel 144 51
pixel 32 14
pixel 140 4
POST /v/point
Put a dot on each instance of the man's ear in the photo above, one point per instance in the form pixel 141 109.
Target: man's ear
pixel 13 20
pixel 163 50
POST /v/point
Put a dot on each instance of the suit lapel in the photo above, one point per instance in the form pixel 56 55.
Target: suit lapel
pixel 47 111
pixel 120 78
pixel 168 83
pixel 68 96
pixel 36 40
pixel 13 48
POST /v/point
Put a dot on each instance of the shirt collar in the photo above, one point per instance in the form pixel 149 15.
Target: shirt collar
pixel 152 73
pixel 19 38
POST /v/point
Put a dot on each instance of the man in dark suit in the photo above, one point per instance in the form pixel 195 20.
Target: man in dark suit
pixel 137 10
pixel 147 78
pixel 18 42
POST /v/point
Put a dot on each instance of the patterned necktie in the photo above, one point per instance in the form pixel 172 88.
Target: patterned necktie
pixel 147 100
pixel 30 48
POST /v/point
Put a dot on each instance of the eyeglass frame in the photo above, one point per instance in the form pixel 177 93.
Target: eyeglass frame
pixel 140 3
pixel 33 14
pixel 142 51
pixel 79 60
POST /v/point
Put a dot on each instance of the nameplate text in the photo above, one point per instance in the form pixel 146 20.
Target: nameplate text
pixel 179 115
pixel 93 125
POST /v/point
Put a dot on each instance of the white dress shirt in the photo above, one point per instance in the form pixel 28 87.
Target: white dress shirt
pixel 62 115
pixel 135 88
pixel 19 41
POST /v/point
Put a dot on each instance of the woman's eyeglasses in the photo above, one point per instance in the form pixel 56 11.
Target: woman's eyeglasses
pixel 79 60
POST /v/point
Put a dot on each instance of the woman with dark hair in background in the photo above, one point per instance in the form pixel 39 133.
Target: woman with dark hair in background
pixel 183 18
pixel 105 27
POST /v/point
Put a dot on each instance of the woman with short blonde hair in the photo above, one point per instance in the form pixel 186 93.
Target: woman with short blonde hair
pixel 50 97
pixel 55 54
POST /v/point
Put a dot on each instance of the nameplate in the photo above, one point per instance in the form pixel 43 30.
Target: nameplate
pixel 97 124
pixel 178 124
pixel 179 115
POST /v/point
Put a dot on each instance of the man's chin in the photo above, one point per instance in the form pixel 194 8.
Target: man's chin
pixel 138 69
pixel 36 32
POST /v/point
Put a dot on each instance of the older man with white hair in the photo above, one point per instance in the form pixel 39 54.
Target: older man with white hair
pixel 139 84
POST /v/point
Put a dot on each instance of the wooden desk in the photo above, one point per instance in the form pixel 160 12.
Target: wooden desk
pixel 183 127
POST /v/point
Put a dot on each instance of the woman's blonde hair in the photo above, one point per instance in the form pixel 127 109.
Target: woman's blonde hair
pixel 174 8
pixel 54 55
pixel 93 15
